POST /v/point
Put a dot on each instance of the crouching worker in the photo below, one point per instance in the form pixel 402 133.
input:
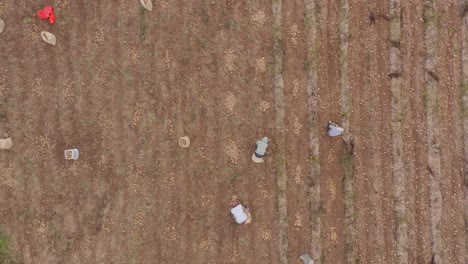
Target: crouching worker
pixel 333 130
pixel 241 214
pixel 260 150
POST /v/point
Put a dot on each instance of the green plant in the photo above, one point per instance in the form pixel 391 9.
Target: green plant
pixel 232 24
pixel 143 25
pixel 344 114
pixel 5 256
pixel 234 177
pixel 450 30
pixel 425 97
pixel 307 65
pixel 465 88
pixel 307 22
pixel 27 20
pixel 205 17
pixel 85 186
pixel 314 159
pixel 347 162
pixel 4 243
pixel 280 162
pixel 431 15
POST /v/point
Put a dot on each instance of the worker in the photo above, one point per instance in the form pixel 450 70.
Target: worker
pixel 241 214
pixel 260 150
pixel 306 259
pixel 333 129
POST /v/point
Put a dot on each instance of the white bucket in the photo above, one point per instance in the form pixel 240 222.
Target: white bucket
pixel 72 154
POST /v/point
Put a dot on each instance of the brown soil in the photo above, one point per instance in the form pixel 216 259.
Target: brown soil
pixel 124 84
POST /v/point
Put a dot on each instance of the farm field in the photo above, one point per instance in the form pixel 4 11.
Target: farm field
pixel 123 84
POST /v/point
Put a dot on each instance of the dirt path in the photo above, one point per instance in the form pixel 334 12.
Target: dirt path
pixel 314 197
pixel 464 36
pixel 370 122
pixel 415 138
pixel 449 113
pixel 346 158
pixel 433 129
pixel 280 159
pixel 329 94
pixel 297 130
pixel 398 170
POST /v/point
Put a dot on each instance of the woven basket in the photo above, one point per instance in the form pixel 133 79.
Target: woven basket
pixel 184 142
pixel 49 38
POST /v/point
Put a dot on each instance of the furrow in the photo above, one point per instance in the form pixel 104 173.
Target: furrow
pixel 347 162
pixel 280 162
pixel 464 33
pixel 398 171
pixel 433 133
pixel 314 132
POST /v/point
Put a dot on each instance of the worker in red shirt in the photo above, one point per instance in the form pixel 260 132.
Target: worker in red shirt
pixel 47 13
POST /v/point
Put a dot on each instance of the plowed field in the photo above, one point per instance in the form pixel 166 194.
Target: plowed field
pixel 123 84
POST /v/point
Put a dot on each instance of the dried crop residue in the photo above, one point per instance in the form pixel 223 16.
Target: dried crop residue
pixel 298 219
pixel 7 177
pixel 264 106
pixel 230 60
pixel 259 18
pixel 297 126
pixel 230 102
pixel 232 151
pixel 294 34
pixel 295 68
pixel 370 122
pixel 296 87
pixel 298 175
pixel 260 64
pixel 124 84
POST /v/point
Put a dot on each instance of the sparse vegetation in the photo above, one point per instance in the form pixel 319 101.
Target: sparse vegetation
pixel 5 254
pixel 27 20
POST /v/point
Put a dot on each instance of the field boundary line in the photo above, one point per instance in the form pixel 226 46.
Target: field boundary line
pixel 315 202
pixel 434 159
pixel 398 171
pixel 465 109
pixel 280 161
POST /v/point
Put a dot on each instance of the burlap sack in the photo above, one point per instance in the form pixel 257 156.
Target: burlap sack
pixel 2 25
pixel 49 38
pixel 6 143
pixel 147 4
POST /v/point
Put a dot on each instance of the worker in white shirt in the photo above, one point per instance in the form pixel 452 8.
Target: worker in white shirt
pixel 260 150
pixel 333 130
pixel 241 214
